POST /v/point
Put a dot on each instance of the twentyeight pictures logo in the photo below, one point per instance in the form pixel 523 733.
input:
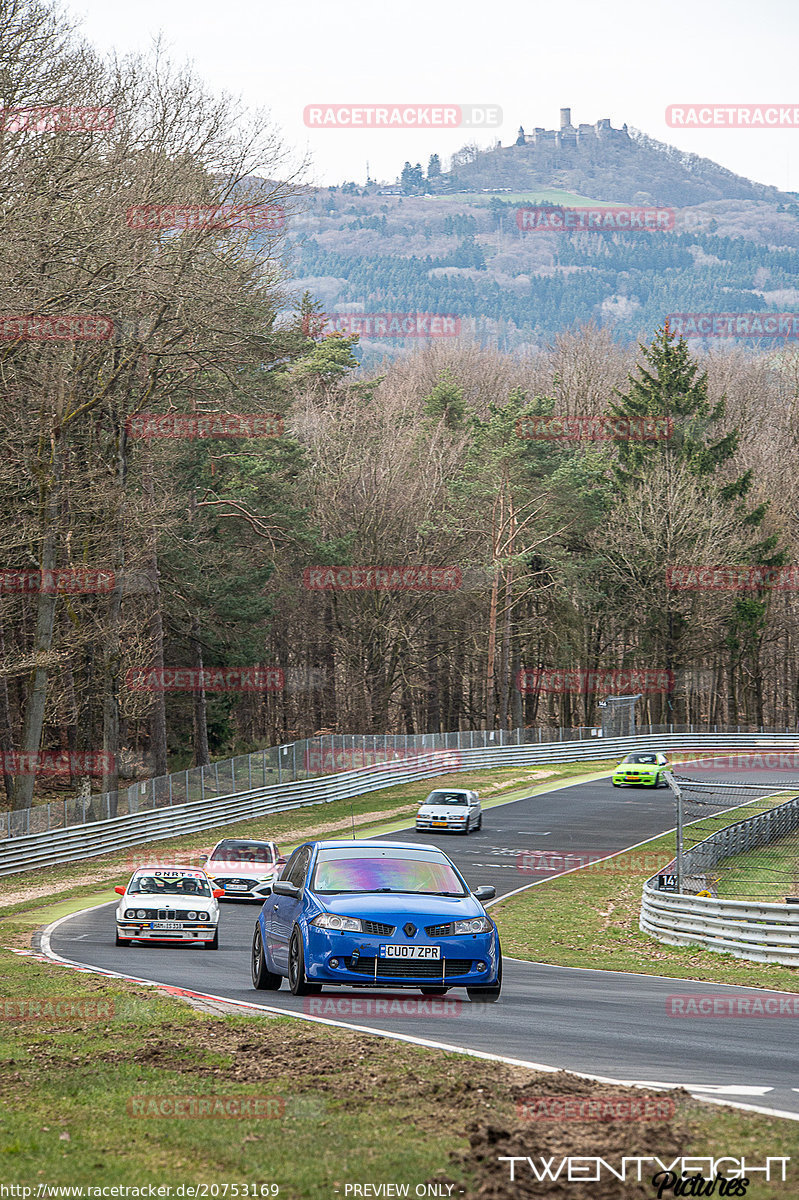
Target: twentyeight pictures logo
pixel 402 116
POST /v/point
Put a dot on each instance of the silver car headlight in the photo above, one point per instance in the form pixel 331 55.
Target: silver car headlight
pixel 192 916
pixel 130 913
pixel 333 921
pixel 204 916
pixel 473 925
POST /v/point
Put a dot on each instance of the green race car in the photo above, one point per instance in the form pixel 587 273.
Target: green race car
pixel 641 769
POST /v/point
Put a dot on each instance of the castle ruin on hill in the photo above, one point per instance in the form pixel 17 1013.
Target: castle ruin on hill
pixel 572 135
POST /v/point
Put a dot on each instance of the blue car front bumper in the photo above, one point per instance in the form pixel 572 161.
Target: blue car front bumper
pixel 469 961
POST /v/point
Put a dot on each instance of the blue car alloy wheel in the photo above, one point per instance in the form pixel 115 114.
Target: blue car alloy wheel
pixel 376 914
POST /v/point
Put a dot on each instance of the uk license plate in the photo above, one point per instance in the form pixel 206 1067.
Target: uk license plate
pixel 439 824
pixel 431 952
pixel 165 925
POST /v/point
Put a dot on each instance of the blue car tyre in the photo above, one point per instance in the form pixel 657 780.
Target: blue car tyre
pixel 262 978
pixel 297 982
pixel 487 995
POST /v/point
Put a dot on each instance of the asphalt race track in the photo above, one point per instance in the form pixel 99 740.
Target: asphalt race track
pixel 609 1024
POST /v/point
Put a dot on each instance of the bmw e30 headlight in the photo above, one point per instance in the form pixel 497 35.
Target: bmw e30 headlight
pixel 334 921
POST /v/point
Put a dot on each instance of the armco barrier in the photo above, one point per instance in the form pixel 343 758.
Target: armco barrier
pixel 761 932
pixel 102 837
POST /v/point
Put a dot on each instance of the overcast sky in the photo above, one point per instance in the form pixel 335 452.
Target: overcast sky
pixel 627 61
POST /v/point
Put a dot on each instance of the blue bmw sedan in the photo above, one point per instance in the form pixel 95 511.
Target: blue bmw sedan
pixel 376 914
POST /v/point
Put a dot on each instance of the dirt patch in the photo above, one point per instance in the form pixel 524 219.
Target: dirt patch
pixel 508 783
pixel 555 1140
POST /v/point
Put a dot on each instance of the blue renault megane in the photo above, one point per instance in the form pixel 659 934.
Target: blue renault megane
pixel 367 914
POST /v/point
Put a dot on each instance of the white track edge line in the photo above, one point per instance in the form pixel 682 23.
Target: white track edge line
pixel 426 1043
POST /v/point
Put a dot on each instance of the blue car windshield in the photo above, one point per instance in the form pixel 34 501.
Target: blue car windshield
pixel 390 871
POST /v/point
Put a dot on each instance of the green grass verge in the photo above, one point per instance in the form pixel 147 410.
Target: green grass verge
pixel 344 1107
pixel 534 196
pixel 589 918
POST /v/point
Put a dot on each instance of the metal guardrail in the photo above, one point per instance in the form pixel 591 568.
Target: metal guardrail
pixel 290 763
pixel 102 837
pixel 762 932
pixel 105 836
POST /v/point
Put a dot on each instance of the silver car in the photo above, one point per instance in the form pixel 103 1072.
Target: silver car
pixel 454 809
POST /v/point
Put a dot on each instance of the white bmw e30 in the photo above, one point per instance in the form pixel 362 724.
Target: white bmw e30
pixel 168 904
pixel 454 809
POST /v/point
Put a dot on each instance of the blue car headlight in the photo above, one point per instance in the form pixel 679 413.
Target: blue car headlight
pixel 458 928
pixel 333 921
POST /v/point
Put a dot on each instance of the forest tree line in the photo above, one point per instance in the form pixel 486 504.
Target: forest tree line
pixel 558 550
